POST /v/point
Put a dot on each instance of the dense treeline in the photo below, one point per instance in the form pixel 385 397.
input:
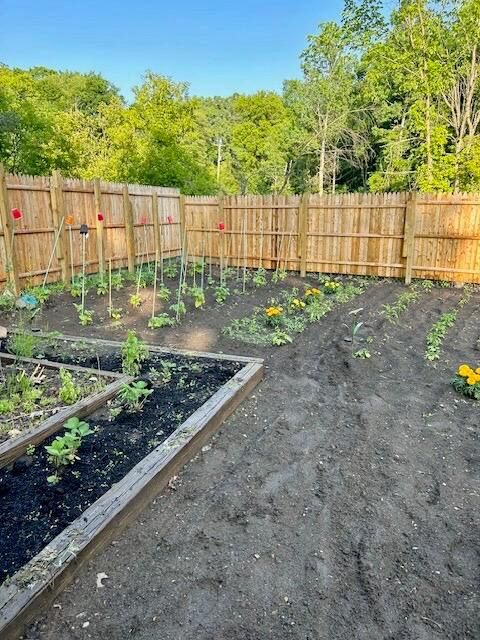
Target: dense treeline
pixel 382 105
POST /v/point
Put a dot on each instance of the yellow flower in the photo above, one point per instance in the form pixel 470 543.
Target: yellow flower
pixel 271 312
pixel 477 370
pixel 297 304
pixel 471 380
pixel 312 292
pixel 464 370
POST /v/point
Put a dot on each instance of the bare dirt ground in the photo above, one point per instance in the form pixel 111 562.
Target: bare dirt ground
pixel 340 501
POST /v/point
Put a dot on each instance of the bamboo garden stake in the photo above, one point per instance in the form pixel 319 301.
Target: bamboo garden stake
pixel 244 254
pixel 110 286
pixel 154 300
pixel 69 221
pixel 84 234
pixel 183 260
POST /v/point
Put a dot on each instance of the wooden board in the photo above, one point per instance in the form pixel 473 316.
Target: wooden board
pixel 37 584
pixel 14 447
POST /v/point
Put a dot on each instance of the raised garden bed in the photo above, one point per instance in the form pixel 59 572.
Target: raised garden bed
pixel 52 530
pixel 31 429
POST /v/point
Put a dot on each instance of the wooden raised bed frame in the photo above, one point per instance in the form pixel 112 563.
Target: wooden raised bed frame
pixel 13 448
pixel 36 585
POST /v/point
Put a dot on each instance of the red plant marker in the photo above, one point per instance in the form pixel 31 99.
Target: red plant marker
pixel 100 217
pixel 170 219
pixel 16 214
pixel 69 220
pixel 221 226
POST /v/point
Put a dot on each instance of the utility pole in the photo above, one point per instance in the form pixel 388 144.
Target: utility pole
pixel 219 157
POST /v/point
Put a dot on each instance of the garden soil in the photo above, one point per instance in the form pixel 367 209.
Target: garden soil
pixel 340 500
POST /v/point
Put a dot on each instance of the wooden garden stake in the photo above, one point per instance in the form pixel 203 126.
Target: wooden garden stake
pixel 110 286
pixel 155 285
pixel 287 254
pixel 260 260
pixel 183 260
pixel 146 241
pixel 244 253
pixel 203 265
pixel 210 251
pixel 69 221
pixel 161 254
pixel 84 234
pixel 221 229
pixel 240 248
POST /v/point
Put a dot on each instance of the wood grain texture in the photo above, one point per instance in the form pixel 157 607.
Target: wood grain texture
pixel 356 233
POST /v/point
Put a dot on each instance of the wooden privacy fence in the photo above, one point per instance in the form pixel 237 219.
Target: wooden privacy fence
pixel 404 235
pixel 136 220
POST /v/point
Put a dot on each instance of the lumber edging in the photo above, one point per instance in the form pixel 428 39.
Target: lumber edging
pixel 151 347
pixel 39 581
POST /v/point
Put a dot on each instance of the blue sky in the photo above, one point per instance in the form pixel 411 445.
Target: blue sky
pixel 218 47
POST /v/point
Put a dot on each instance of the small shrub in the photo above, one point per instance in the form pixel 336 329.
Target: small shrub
pixel 331 286
pixel 85 317
pixel 260 277
pixel 134 352
pixel 163 293
pixel 160 321
pixel 198 296
pixel 115 313
pixel 393 311
pixel 280 338
pixel 63 450
pixel 437 334
pixel 135 300
pixel 22 344
pixel 134 395
pixel 67 393
pixel 179 308
pixel 170 270
pixel 279 276
pixel 221 293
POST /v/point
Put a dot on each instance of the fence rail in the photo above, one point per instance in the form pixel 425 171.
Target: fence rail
pixel 405 235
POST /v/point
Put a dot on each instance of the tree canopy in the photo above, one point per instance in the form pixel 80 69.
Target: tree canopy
pixel 383 104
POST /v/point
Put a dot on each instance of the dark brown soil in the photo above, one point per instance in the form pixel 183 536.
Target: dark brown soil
pixel 340 501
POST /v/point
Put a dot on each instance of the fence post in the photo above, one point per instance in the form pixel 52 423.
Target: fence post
pixel 58 215
pixel 408 248
pixel 129 232
pixel 302 233
pixel 6 225
pixel 97 193
pixel 157 229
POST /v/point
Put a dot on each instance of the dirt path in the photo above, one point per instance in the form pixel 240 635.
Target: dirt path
pixel 340 501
